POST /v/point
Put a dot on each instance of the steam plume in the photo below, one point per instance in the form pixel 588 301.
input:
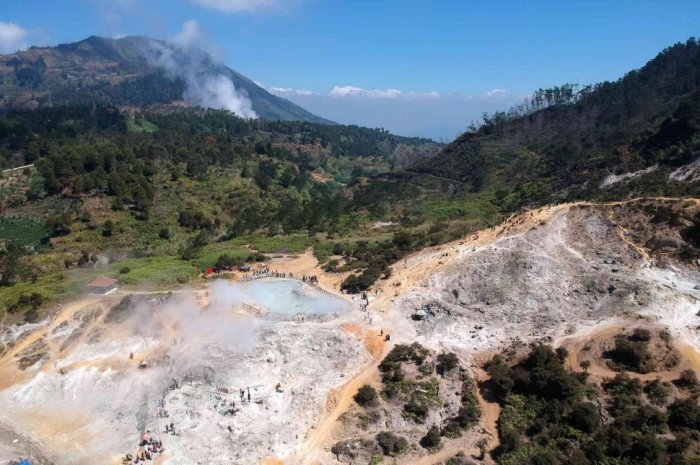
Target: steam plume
pixel 206 83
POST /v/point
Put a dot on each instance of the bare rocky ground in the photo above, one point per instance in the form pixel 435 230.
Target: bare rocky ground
pixel 77 394
pixel 563 274
pixel 549 273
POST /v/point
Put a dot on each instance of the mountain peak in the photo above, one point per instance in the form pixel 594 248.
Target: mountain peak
pixel 134 71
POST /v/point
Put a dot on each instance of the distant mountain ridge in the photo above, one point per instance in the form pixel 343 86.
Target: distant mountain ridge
pixel 594 143
pixel 131 71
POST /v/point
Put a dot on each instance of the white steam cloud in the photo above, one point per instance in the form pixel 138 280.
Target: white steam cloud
pixel 191 59
pixel 13 37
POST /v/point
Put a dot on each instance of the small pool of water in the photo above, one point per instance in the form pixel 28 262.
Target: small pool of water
pixel 284 297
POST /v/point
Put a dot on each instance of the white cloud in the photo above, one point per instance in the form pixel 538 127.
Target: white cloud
pixel 189 34
pixel 400 111
pixel 241 6
pixel 12 37
pixel 497 93
pixel 351 91
pixel 348 92
pixel 281 91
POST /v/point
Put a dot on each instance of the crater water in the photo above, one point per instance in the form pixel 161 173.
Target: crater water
pixel 283 297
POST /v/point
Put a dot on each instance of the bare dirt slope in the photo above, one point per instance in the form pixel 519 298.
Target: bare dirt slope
pixel 540 275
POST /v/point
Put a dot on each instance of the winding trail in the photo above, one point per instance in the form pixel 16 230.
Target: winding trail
pixel 341 401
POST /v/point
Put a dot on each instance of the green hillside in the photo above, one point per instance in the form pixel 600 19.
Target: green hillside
pixel 156 197
pixel 563 142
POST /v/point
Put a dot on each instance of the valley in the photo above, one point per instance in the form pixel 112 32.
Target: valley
pixel 195 270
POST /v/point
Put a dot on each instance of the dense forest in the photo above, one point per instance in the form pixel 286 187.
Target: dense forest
pixel 562 142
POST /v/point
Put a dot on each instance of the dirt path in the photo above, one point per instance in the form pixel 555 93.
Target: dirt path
pixel 448 451
pixel 490 411
pixel 341 401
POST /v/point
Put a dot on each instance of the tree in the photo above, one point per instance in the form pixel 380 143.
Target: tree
pixel 585 365
pixel 432 439
pixel 107 228
pixel 59 225
pixel 446 362
pixel 391 444
pixel 366 396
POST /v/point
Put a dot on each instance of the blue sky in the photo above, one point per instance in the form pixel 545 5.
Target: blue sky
pixel 440 55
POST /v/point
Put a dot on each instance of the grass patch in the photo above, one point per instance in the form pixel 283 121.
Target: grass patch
pixel 292 243
pixel 25 232
pixel 140 126
pixel 160 271
pixel 51 286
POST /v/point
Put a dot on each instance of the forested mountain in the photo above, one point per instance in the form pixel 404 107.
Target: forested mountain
pixel 563 142
pixel 133 71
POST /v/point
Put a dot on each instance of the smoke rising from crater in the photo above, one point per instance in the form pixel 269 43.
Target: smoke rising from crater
pixel 193 58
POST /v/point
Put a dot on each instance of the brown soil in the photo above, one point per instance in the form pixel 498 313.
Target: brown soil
pixel 352 328
pixel 299 265
pixel 271 461
pixel 339 402
pixel 490 411
pixel 590 346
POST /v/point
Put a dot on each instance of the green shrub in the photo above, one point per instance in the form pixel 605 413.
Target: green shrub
pixel 458 459
pixel 632 352
pixel 584 416
pixel 415 411
pixel 684 414
pixel 366 396
pixel 107 228
pixel 432 439
pixel 392 444
pixel 657 391
pixel 446 362
pixel 59 225
pixel 688 380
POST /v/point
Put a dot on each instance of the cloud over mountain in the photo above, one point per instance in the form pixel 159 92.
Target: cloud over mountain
pixel 400 111
pixel 13 37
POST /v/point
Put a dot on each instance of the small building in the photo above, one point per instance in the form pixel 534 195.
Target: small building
pixel 102 285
